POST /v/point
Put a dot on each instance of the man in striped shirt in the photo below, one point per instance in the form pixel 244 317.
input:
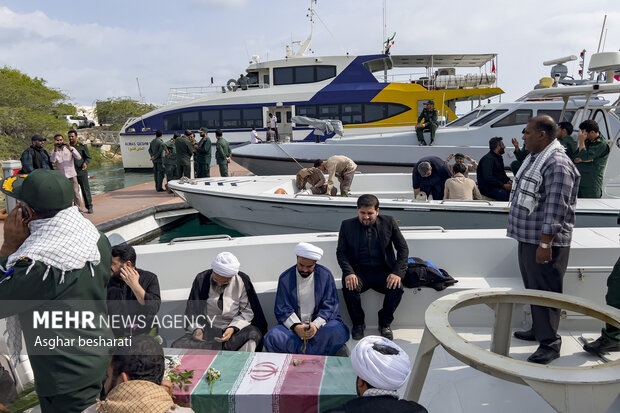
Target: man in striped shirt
pixel 541 219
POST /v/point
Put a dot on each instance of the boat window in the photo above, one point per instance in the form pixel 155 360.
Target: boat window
pixel 289 116
pixel 283 76
pixel 172 122
pixel 351 113
pixel 488 118
pixel 374 112
pixel 231 118
pixel 394 109
pixel 190 120
pixel 304 74
pixel 252 78
pixel 465 119
pixel 328 112
pixel 325 72
pixel 555 114
pixel 265 79
pixel 518 117
pixel 309 111
pixel 210 119
pixel 252 118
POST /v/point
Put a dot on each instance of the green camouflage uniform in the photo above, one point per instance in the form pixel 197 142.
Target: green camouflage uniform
pixel 430 117
pixel 222 151
pixel 82 175
pixel 596 151
pixel 185 150
pixel 156 150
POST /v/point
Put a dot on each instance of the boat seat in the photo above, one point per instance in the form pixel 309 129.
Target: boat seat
pixel 566 389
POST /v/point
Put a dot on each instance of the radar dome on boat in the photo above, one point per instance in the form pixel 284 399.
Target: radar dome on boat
pixel 604 61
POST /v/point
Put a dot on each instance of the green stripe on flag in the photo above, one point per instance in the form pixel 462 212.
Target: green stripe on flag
pixel 229 363
pixel 338 384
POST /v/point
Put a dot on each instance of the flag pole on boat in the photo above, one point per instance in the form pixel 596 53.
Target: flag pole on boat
pixel 289 155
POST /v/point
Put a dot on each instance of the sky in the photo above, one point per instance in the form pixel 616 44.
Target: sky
pixel 95 49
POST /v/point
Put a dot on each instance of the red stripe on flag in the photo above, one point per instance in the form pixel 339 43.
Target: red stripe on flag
pixel 302 384
pixel 199 361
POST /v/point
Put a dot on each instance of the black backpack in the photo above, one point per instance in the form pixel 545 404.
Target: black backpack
pixel 421 273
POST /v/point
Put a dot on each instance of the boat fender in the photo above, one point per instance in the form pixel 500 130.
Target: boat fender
pixel 280 191
pixel 232 85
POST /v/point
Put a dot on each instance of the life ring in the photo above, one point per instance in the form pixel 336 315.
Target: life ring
pixel 232 85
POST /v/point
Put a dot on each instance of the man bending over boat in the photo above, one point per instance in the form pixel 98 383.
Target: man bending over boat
pixel 541 219
pixel 315 178
pixel 341 167
pixel 223 310
pixel 306 309
pixel 366 256
pixel 53 261
pixel 382 367
pixel 429 176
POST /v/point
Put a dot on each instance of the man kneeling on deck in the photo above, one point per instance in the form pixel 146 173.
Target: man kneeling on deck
pixel 307 309
pixel 315 178
pixel 224 310
pixel 382 368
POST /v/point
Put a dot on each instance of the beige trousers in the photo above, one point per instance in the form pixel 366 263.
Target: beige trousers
pixel 77 196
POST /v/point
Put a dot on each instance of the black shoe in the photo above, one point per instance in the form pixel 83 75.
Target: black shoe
pixel 357 332
pixel 527 335
pixel 422 143
pixel 90 210
pixel 342 352
pixel 432 143
pixel 161 190
pixel 544 355
pixel 386 332
pixel 602 345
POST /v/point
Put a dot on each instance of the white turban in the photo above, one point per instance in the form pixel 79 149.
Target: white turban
pixel 225 264
pixel 303 249
pixel 382 371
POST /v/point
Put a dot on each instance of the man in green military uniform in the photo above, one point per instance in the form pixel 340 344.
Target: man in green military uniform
pixel 170 160
pixel 156 150
pixel 202 164
pixel 565 130
pixel 81 166
pixel 520 155
pixel 222 153
pixel 591 159
pixel 610 335
pixel 185 150
pixel 53 260
pixel 429 114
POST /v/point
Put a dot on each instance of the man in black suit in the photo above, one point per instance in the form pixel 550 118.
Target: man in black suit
pixel 366 256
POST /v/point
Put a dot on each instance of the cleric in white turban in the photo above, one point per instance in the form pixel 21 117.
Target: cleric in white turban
pixel 307 307
pixel 382 368
pixel 223 311
pixel 309 251
pixel 226 264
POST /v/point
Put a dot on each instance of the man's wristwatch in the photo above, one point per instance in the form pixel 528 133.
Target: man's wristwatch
pixel 545 246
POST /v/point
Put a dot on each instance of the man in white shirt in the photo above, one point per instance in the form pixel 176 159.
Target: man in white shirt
pixel 273 125
pixel 254 136
pixel 306 309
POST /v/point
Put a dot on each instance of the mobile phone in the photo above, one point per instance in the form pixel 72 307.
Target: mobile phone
pixel 25 213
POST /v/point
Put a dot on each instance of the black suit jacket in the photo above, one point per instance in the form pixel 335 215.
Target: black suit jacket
pixel 390 238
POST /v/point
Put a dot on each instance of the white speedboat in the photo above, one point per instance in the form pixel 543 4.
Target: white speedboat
pixel 361 91
pixel 250 205
pixel 470 134
pixel 478 259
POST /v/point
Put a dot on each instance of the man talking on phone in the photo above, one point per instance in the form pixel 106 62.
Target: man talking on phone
pixel 133 294
pixel 54 261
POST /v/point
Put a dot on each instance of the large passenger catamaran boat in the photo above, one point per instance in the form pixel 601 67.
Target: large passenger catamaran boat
pixel 369 94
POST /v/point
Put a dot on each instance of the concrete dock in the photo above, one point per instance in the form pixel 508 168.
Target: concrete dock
pixel 119 207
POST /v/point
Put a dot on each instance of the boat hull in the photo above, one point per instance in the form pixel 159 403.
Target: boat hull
pixel 249 206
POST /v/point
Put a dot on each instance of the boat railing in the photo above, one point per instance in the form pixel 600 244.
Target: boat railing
pixel 182 94
pixel 200 238
pixel 468 201
pixel 423 228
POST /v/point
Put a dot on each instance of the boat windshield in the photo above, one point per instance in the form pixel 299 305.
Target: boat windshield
pixel 555 114
pixel 465 119
pixel 488 118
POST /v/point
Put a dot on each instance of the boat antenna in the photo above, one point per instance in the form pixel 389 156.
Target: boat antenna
pixel 331 34
pixel 141 100
pixel 602 31
pixel 290 156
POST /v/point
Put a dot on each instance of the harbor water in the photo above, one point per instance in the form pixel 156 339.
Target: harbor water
pixel 110 178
